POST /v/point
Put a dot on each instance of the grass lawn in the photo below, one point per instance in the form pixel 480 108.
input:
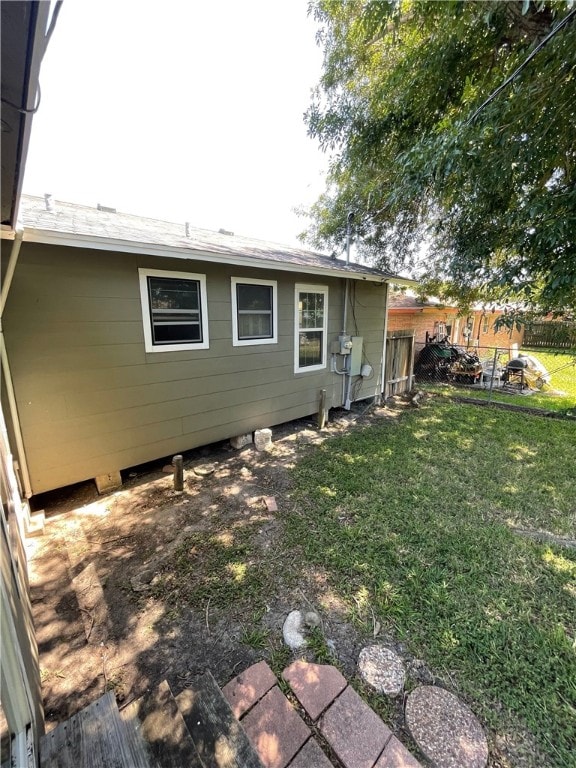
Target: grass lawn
pixel 413 519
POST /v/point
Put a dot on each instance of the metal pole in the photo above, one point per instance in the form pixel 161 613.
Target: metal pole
pixel 493 374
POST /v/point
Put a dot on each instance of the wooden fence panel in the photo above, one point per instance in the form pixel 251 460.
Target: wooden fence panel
pixel 553 334
pixel 399 362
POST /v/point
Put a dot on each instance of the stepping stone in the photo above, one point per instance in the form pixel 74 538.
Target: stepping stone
pixel 275 729
pixel 311 756
pixel 396 756
pixel 248 687
pixel 354 731
pixel 315 685
pixel 382 669
pixel 445 729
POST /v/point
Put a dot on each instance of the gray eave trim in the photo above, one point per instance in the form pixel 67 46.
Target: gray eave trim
pixel 148 249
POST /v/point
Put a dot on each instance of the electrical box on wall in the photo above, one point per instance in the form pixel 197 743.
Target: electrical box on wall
pixel 356 355
pixel 345 345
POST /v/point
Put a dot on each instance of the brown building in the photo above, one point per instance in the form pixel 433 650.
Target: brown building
pixel 429 317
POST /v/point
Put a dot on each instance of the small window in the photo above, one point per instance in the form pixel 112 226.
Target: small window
pixel 254 311
pixel 310 327
pixel 485 324
pixel 174 310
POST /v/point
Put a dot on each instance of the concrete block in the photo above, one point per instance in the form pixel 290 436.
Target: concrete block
pixel 240 441
pixel 263 439
pixel 108 482
pixel 34 524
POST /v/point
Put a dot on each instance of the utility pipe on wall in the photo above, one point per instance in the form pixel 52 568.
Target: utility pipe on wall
pixel 7 376
pixel 14 253
pixel 7 383
pixel 347 380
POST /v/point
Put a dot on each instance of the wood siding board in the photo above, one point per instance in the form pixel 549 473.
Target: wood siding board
pixel 77 335
pixel 82 381
pixel 27 359
pixel 134 402
pixel 85 384
pixel 65 474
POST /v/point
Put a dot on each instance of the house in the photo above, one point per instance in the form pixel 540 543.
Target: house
pixel 475 328
pixel 25 28
pixel 131 339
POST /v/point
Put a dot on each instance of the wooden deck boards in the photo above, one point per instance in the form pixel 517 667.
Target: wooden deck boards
pixel 96 737
pixel 164 730
pixel 220 739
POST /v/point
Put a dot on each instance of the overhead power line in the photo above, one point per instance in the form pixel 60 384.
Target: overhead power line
pixel 566 20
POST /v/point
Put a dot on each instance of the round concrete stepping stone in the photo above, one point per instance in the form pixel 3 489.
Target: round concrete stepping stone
pixel 445 729
pixel 382 669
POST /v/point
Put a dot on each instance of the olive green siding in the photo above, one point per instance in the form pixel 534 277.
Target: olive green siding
pixel 91 400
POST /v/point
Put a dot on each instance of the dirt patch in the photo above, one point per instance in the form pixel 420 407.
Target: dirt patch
pixel 191 580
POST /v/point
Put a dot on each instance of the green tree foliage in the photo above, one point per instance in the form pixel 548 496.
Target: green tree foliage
pixel 482 202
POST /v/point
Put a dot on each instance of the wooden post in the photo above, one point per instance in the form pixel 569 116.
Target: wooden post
pixel 322 410
pixel 178 473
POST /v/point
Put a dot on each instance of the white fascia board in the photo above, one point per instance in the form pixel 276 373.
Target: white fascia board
pixel 407 281
pixel 149 249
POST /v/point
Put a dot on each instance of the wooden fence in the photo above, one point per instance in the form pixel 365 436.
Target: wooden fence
pixel 399 362
pixel 553 334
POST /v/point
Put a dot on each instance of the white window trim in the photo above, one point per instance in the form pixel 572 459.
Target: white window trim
pixel 307 288
pixel 146 314
pixel 236 342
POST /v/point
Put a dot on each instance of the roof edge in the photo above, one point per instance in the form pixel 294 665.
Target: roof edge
pixel 32 235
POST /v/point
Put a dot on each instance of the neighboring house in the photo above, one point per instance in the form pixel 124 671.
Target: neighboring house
pixel 406 312
pixel 131 339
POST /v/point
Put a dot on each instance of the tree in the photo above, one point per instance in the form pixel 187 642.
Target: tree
pixel 470 189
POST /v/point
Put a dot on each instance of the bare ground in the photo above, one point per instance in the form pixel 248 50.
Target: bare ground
pixel 164 613
pixel 149 631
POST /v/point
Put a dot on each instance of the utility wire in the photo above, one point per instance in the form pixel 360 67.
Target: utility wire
pixel 566 20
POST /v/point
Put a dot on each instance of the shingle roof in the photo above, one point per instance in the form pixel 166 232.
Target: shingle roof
pixel 85 222
pixel 408 301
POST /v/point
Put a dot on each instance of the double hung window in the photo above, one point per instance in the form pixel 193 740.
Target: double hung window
pixel 254 311
pixel 174 309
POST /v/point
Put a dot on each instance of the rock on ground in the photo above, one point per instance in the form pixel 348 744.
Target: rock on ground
pixel 291 631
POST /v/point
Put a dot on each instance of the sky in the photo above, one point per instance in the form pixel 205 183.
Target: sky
pixel 184 110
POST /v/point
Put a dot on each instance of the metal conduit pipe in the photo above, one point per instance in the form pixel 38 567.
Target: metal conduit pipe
pixel 347 379
pixel 14 253
pixel 7 376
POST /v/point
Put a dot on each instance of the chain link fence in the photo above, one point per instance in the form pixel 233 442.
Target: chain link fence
pixel 477 368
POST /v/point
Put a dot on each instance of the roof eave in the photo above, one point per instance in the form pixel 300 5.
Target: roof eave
pixel 33 235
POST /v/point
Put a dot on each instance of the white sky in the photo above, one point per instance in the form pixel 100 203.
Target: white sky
pixel 185 110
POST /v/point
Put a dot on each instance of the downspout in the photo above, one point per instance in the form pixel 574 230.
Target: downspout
pixel 15 252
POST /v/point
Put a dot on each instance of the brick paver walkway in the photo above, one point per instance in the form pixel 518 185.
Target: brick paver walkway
pixel 354 732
